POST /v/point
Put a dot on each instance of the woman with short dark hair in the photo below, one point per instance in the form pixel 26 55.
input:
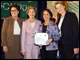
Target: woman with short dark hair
pixel 11 31
pixel 49 51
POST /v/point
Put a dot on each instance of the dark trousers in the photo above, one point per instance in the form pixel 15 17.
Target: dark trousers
pixel 66 53
pixel 48 54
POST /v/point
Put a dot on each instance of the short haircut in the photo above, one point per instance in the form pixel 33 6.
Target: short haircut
pixel 60 2
pixel 16 6
pixel 31 7
pixel 48 12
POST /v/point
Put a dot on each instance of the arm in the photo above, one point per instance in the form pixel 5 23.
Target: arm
pixel 40 28
pixel 4 33
pixel 23 38
pixel 75 33
pixel 55 35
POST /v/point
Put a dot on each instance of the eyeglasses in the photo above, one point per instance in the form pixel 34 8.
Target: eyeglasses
pixel 13 10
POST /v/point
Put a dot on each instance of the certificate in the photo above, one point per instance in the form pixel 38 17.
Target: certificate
pixel 41 38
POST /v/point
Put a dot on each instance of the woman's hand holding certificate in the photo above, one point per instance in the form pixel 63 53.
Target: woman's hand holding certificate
pixel 41 38
pixel 49 41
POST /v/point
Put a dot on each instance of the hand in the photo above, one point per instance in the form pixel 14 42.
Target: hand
pixel 5 49
pixel 23 53
pixel 49 41
pixel 76 50
pixel 40 45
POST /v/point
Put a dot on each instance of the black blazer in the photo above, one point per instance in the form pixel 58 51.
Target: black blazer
pixel 70 31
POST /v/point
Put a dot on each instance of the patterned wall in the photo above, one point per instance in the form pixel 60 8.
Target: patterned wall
pixel 74 7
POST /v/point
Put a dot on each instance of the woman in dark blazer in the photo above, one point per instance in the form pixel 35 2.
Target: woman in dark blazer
pixel 10 34
pixel 69 30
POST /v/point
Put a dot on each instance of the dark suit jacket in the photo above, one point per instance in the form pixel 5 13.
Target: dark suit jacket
pixel 70 31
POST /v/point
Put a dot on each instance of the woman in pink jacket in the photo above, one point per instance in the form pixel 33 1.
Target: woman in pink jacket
pixel 28 49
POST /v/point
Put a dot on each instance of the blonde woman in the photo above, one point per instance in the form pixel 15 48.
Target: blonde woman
pixel 29 28
pixel 69 30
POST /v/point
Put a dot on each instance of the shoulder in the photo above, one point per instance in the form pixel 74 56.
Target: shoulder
pixel 25 21
pixel 38 21
pixel 72 17
pixel 71 14
pixel 52 24
pixel 7 19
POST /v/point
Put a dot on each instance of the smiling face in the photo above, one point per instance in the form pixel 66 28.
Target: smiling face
pixel 31 13
pixel 14 12
pixel 46 15
pixel 60 8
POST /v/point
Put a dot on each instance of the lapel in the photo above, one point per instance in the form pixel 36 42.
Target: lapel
pixel 64 18
pixel 35 26
pixel 58 21
pixel 12 23
pixel 29 25
pixel 64 21
pixel 19 22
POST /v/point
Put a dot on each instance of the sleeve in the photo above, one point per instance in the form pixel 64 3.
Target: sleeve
pixel 75 27
pixel 23 38
pixel 4 33
pixel 40 28
pixel 55 33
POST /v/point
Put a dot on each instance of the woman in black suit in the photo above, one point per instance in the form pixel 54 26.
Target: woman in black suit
pixel 69 30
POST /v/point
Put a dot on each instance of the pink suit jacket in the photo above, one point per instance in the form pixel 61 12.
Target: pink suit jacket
pixel 27 38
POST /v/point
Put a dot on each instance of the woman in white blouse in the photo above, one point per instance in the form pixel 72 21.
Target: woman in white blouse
pixel 29 28
pixel 11 34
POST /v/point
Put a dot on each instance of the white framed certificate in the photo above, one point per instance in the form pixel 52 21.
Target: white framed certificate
pixel 41 38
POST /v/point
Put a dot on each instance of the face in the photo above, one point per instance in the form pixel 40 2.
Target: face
pixel 60 8
pixel 46 15
pixel 14 12
pixel 31 13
